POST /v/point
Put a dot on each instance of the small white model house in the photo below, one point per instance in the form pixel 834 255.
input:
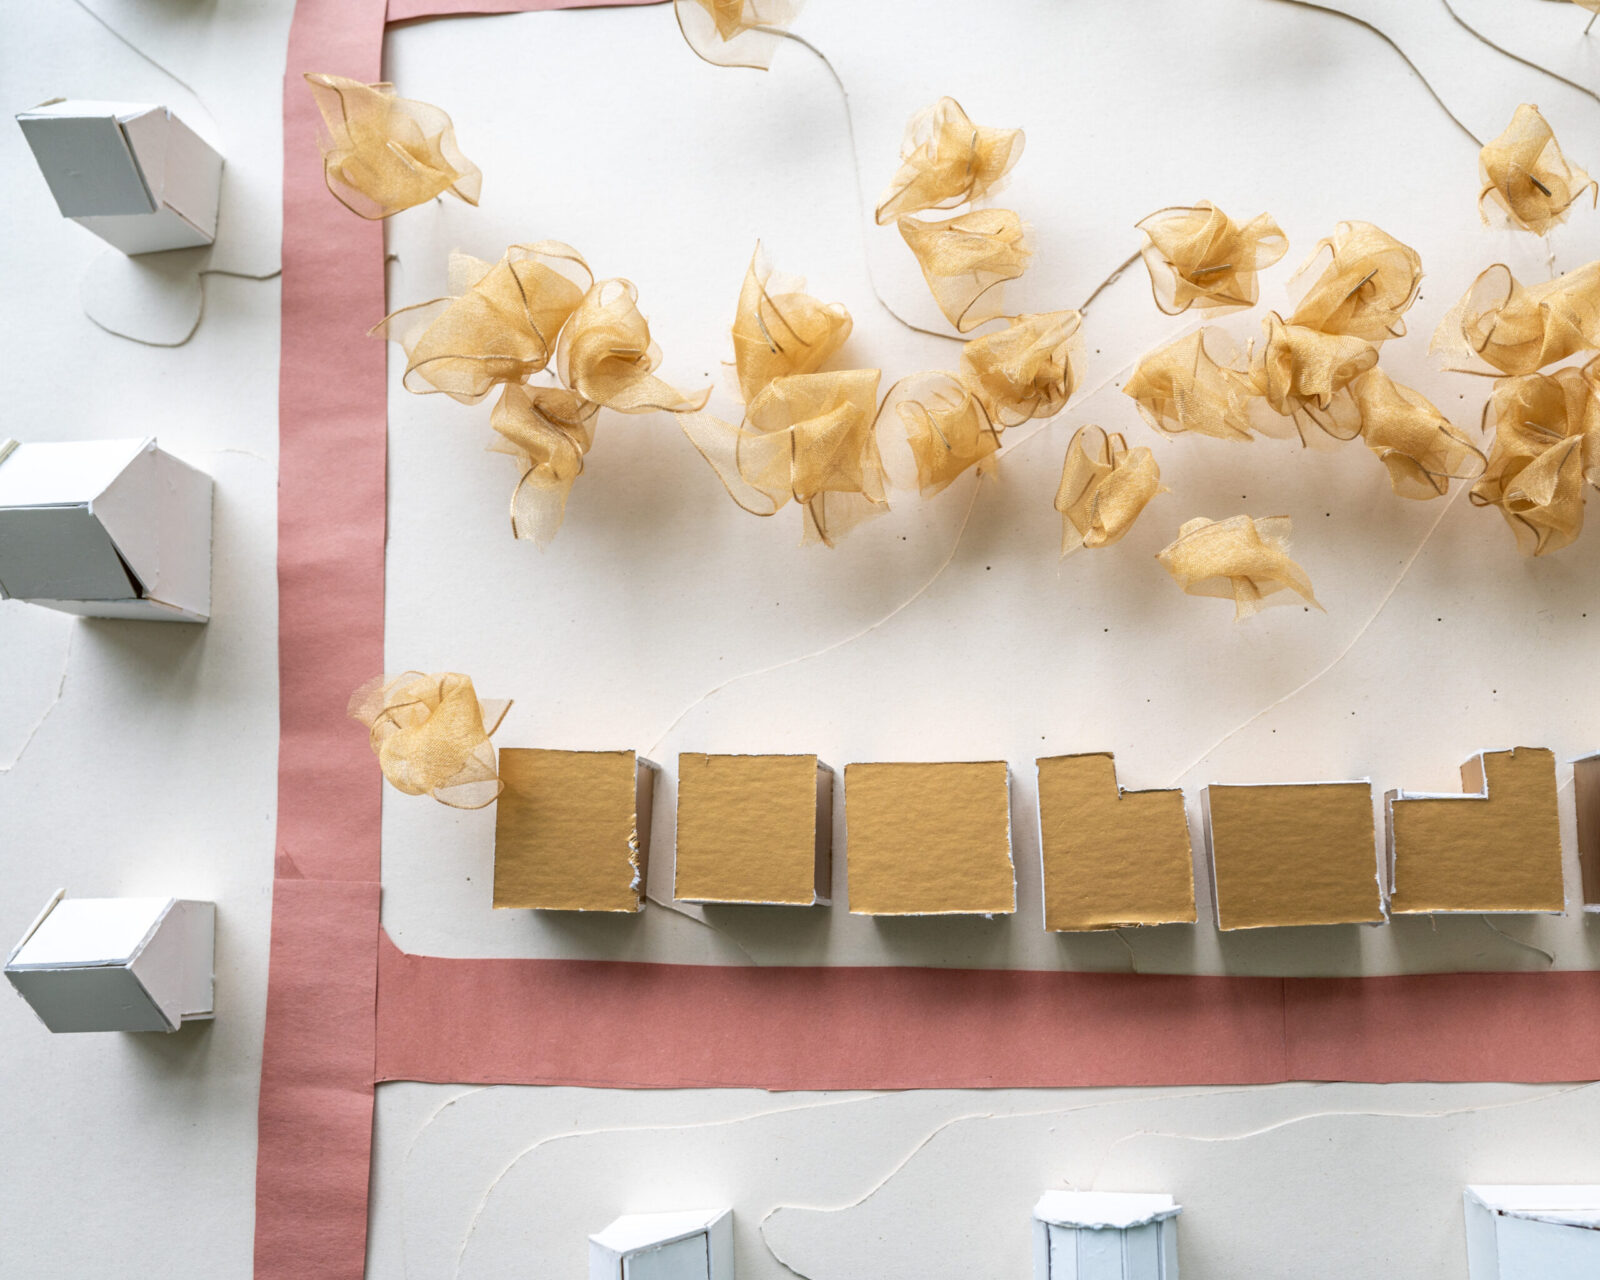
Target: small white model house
pixel 107 528
pixel 135 175
pixel 117 964
pixel 695 1244
pixel 1105 1235
pixel 1533 1233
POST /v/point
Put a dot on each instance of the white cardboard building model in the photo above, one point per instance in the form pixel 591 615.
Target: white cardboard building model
pixel 694 1244
pixel 117 964
pixel 133 174
pixel 1533 1233
pixel 107 528
pixel 1105 1235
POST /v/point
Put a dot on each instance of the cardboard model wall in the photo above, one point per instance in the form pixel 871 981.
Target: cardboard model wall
pixel 1110 857
pixel 929 839
pixel 756 829
pixel 107 528
pixel 117 964
pixel 696 1244
pixel 1104 1235
pixel 1533 1233
pixel 1586 787
pixel 1497 848
pixel 1293 854
pixel 134 174
pixel 572 830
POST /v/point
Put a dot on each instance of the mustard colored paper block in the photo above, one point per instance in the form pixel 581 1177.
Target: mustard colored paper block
pixel 1293 854
pixel 929 839
pixel 572 830
pixel 755 829
pixel 1495 848
pixel 1110 857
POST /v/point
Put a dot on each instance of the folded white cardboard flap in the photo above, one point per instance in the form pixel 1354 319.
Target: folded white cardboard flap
pixel 117 964
pixel 693 1244
pixel 1105 1235
pixel 132 173
pixel 1533 1233
pixel 107 528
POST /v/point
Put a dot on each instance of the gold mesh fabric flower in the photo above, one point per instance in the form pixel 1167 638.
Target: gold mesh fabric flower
pixel 966 261
pixel 606 356
pixel 1368 284
pixel 382 154
pixel 1416 443
pixel 431 736
pixel 946 427
pixel 1180 388
pixel 500 326
pixel 735 33
pixel 1024 370
pixel 809 438
pixel 1104 487
pixel 1240 559
pixel 1502 326
pixel 1546 445
pixel 1197 256
pixel 548 430
pixel 946 160
pixel 779 329
pixel 1524 172
pixel 1304 374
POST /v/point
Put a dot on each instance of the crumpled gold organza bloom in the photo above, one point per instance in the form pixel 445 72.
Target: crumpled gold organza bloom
pixel 807 437
pixel 1369 283
pixel 947 160
pixel 1180 387
pixel 1024 370
pixel 1418 445
pixel 1199 257
pixel 1546 443
pixel 1239 559
pixel 946 427
pixel 1525 173
pixel 966 261
pixel 1505 327
pixel 735 33
pixel 779 329
pixel 499 326
pixel 1304 373
pixel 431 736
pixel 382 154
pixel 548 430
pixel 606 356
pixel 1104 486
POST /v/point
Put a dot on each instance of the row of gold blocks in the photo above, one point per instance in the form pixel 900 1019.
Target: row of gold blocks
pixel 572 834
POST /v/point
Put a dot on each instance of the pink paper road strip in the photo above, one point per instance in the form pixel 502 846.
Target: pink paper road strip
pixel 659 1026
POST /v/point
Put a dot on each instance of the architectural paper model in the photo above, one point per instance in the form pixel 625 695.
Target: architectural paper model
pixel 572 830
pixel 929 839
pixel 1496 848
pixel 1110 857
pixel 1533 1233
pixel 106 528
pixel 1105 1235
pixel 135 175
pixel 117 964
pixel 754 829
pixel 696 1244
pixel 1293 854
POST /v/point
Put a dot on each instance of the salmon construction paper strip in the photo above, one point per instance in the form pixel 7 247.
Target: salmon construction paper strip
pixel 621 1024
